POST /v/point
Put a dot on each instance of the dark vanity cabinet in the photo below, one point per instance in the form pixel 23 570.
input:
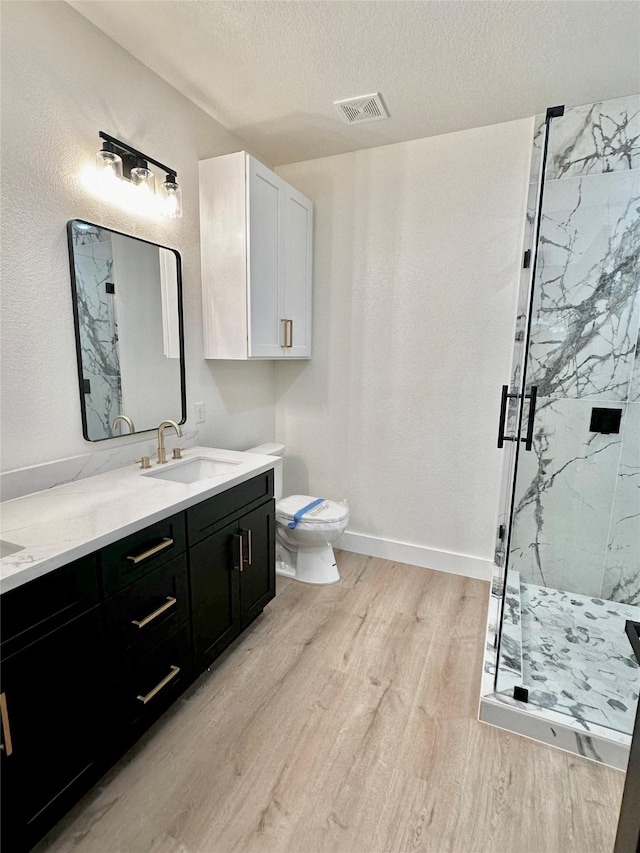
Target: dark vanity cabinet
pixel 94 652
pixel 51 699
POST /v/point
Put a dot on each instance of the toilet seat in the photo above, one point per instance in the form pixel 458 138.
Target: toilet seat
pixel 328 513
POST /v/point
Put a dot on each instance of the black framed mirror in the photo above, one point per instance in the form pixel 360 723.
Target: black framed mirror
pixel 127 307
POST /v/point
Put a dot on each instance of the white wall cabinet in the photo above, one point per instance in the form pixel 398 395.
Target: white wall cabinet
pixel 256 237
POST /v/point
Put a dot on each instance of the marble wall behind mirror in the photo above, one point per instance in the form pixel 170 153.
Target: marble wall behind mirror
pixel 129 336
pixel 577 513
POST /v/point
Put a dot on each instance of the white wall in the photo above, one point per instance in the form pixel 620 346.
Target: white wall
pixel 417 257
pixel 62 81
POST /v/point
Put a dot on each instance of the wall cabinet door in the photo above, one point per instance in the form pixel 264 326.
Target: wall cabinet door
pixel 297 231
pixel 51 694
pixel 265 251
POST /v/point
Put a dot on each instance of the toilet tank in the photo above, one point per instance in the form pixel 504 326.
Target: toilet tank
pixel 273 449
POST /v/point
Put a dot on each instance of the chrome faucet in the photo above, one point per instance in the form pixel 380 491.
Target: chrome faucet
pixel 127 421
pixel 162 453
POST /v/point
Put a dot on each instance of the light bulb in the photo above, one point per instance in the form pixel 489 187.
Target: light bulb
pixel 171 196
pixel 143 178
pixel 109 164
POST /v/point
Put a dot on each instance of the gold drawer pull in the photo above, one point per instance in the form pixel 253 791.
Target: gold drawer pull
pixel 6 728
pixel 168 603
pixel 144 699
pixel 166 543
pixel 284 332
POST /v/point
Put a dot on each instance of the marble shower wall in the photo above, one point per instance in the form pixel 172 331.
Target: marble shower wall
pixel 93 258
pixel 577 511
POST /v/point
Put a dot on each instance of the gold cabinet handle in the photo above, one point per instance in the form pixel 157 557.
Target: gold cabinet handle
pixel 6 728
pixel 287 333
pixel 174 671
pixel 249 545
pixel 240 539
pixel 166 543
pixel 168 603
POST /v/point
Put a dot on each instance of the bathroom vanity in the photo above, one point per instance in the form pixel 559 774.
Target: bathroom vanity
pixel 142 583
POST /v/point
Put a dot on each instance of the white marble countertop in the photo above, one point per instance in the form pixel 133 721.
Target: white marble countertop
pixel 61 524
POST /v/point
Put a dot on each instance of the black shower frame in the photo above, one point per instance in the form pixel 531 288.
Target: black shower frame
pixel 552 112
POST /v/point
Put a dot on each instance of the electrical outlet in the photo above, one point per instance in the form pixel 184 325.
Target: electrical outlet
pixel 198 411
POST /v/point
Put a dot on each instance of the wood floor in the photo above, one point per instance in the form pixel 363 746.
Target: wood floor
pixel 345 720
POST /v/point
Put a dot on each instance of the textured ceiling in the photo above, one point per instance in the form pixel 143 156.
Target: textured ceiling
pixel 271 70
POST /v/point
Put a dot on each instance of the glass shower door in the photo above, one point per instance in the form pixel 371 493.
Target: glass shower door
pixel 573 561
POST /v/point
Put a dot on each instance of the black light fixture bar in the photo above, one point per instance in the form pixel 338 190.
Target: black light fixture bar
pixel 131 156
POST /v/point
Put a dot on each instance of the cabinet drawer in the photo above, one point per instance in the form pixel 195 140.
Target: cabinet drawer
pixel 203 518
pixel 136 555
pixel 141 616
pixel 34 609
pixel 153 683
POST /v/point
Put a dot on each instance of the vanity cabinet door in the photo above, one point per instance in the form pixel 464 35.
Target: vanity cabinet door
pixel 215 585
pixel 258 577
pixel 51 727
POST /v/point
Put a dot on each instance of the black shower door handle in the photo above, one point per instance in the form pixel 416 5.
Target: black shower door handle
pixel 532 396
pixel 503 415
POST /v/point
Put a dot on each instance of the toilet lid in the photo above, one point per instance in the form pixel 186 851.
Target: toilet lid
pixel 324 513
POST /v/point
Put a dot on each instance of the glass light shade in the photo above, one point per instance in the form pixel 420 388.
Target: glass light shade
pixel 171 199
pixel 109 163
pixel 143 177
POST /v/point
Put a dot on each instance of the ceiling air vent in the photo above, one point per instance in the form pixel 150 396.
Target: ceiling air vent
pixel 362 109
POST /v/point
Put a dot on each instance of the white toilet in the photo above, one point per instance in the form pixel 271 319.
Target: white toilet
pixel 306 528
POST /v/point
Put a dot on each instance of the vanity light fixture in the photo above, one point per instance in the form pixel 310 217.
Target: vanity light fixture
pixel 120 161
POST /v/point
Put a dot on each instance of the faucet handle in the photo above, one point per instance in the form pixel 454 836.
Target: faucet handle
pixel 177 453
pixel 145 462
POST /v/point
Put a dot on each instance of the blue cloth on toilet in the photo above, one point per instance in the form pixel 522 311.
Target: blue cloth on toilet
pixel 296 518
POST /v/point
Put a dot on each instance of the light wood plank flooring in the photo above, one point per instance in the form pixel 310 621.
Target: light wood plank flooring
pixel 345 720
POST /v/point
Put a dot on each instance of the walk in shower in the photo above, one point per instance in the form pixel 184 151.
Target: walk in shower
pixel 568 552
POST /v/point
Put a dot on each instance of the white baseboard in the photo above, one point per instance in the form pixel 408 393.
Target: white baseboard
pixel 416 555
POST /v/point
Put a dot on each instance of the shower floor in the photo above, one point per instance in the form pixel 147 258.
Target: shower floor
pixel 576 657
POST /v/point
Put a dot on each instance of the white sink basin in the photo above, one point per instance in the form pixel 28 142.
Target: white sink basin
pixel 193 470
pixel 8 548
